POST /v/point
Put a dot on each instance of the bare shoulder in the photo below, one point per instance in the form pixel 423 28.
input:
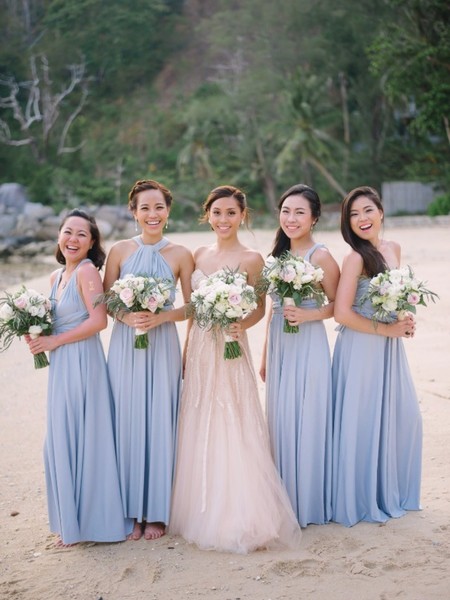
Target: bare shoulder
pixel 391 252
pixel 123 246
pixel 201 251
pixel 54 275
pixel 179 251
pixel 88 269
pixel 323 256
pixel 394 246
pixel 353 261
pixel 252 260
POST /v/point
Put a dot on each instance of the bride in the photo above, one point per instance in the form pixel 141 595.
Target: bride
pixel 227 493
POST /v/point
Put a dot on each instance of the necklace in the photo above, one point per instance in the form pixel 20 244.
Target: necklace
pixel 63 283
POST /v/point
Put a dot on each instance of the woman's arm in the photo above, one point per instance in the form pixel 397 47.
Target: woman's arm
pixel 262 369
pixel 113 264
pixel 185 270
pixel 90 286
pixel 254 270
pixel 297 315
pixel 345 315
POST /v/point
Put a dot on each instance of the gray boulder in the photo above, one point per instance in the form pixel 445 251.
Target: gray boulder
pixel 13 198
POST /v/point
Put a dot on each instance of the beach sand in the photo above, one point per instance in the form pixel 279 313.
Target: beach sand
pixel 406 559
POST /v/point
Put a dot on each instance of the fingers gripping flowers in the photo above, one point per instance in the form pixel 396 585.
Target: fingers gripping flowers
pixel 25 312
pixel 396 291
pixel 293 279
pixel 221 299
pixel 134 293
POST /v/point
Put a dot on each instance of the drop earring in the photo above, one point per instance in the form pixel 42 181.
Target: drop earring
pixel 167 224
pixel 135 225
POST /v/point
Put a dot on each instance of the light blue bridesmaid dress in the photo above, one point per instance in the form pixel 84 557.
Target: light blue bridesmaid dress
pixel 146 388
pixel 83 490
pixel 377 443
pixel 298 398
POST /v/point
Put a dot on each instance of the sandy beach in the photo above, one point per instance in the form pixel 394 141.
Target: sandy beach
pixel 405 559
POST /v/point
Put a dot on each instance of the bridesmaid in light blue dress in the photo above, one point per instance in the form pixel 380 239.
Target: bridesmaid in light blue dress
pixel 377 442
pixel 297 368
pixel 83 491
pixel 146 383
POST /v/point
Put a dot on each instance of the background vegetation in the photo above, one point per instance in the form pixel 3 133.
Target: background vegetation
pixel 261 94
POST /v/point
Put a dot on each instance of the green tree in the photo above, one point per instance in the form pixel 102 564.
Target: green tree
pixel 412 54
pixel 308 145
pixel 125 44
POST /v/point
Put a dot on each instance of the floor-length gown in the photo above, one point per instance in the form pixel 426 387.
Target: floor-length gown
pixel 83 489
pixel 146 389
pixel 299 411
pixel 377 443
pixel 227 495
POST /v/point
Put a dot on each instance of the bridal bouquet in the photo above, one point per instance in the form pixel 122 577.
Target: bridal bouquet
pixel 398 291
pixel 25 312
pixel 293 279
pixel 221 299
pixel 134 293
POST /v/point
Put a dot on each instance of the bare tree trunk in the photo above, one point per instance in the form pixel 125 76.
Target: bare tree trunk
pixel 447 128
pixel 346 123
pixel 328 176
pixel 268 181
pixel 42 106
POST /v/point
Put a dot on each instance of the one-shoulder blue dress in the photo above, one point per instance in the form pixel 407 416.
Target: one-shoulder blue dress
pixel 83 492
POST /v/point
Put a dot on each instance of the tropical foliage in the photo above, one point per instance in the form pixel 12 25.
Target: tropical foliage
pixel 260 94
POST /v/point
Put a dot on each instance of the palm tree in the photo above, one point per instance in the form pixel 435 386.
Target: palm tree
pixel 306 141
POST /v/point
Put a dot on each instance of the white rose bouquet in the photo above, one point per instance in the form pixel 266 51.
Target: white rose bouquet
pixel 25 312
pixel 293 279
pixel 221 299
pixel 134 293
pixel 396 291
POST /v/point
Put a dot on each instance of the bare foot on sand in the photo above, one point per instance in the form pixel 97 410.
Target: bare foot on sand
pixel 153 531
pixel 136 534
pixel 60 544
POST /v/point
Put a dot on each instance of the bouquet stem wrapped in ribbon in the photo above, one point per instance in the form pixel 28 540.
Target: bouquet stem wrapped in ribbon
pixel 293 279
pixel 396 291
pixel 221 299
pixel 135 293
pixel 25 312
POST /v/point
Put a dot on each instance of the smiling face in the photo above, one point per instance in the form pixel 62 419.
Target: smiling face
pixel 225 216
pixel 365 218
pixel 296 218
pixel 151 212
pixel 75 239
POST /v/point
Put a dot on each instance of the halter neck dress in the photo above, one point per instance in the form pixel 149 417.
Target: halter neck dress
pixel 146 389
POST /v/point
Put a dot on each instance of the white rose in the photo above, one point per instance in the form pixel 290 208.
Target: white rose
pixel 390 304
pixel 221 308
pixel 6 312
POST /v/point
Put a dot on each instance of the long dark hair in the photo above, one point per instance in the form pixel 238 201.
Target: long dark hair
pixel 282 243
pixel 373 260
pixel 225 191
pixel 96 254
